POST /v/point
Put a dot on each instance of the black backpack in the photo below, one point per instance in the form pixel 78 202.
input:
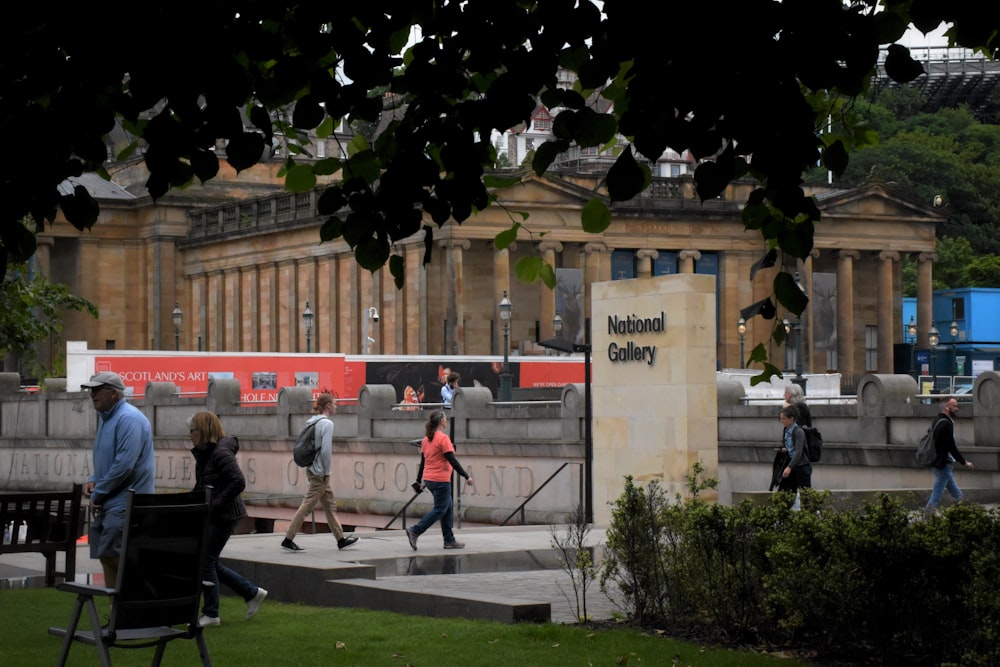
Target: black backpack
pixel 304 452
pixel 926 449
pixel 814 443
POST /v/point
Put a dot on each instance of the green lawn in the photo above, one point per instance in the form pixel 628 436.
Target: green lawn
pixel 288 634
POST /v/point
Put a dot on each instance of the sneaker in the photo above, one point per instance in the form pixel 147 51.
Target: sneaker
pixel 253 604
pixel 454 545
pixel 345 542
pixel 290 546
pixel 410 535
pixel 209 620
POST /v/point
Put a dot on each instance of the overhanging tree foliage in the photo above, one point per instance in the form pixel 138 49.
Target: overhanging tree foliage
pixel 726 81
pixel 31 309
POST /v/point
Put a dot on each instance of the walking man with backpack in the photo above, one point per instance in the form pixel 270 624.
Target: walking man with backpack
pixel 318 474
pixel 947 455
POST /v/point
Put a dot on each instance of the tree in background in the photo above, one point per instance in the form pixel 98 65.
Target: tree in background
pixel 31 310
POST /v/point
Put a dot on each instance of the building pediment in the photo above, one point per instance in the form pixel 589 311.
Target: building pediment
pixel 876 201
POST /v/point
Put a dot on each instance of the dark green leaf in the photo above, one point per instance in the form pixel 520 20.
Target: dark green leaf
pixel 627 178
pixel 546 154
pixel 548 275
pixel 765 308
pixel 505 238
pixel 397 267
pixel 900 65
pixel 245 151
pixel 327 166
pixel 300 178
pixel 770 371
pixel 372 253
pixel 765 262
pixel 596 216
pixel 788 293
pixel 527 269
pixel 835 157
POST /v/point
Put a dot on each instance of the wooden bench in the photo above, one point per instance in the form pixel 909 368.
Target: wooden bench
pixel 44 522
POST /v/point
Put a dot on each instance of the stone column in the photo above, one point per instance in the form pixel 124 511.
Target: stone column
pixel 845 310
pixel 454 299
pixel 925 295
pixel 546 296
pixel 414 294
pixel 595 269
pixel 808 351
pixel 885 310
pixel 644 266
pixel 686 260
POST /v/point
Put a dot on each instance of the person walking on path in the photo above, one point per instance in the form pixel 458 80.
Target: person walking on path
pixel 437 460
pixel 947 455
pixel 318 474
pixel 123 460
pixel 798 471
pixel 215 466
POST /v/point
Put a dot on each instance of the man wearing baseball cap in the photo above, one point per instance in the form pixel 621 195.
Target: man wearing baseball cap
pixel 123 460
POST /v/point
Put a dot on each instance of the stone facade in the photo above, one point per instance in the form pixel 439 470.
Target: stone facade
pixel 242 271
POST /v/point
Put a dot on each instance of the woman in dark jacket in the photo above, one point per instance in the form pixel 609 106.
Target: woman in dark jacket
pixel 216 466
pixel 798 471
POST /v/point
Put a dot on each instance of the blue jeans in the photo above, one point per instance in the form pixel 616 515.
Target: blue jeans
pixel 441 510
pixel 944 478
pixel 216 572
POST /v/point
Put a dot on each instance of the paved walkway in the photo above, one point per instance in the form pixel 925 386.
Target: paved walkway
pixel 514 562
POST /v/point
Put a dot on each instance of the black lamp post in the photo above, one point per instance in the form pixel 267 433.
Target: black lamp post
pixel 307 324
pixel 953 330
pixel 178 317
pixel 911 330
pixel 505 308
pixel 933 338
pixel 741 329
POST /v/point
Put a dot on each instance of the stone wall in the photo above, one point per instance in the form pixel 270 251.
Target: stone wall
pixel 512 449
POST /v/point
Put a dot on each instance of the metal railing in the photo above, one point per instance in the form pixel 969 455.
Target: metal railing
pixel 520 508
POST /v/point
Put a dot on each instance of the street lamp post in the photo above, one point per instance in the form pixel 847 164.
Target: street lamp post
pixel 505 308
pixel 178 317
pixel 307 324
pixel 741 329
pixel 933 338
pixel 953 330
pixel 911 330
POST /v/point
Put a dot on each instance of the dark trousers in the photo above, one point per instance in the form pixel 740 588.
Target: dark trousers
pixel 216 572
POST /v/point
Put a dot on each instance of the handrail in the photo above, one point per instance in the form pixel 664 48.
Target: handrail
pixel 520 508
pixel 402 511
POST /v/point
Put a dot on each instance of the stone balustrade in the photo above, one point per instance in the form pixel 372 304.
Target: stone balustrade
pixel 510 448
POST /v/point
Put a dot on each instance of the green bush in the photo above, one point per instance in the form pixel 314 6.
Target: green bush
pixel 881 584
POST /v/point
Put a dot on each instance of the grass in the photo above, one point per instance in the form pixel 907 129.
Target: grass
pixel 292 634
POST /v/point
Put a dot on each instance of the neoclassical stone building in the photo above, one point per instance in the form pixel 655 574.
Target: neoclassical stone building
pixel 242 258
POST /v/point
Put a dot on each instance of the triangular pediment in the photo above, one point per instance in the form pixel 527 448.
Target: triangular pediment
pixel 545 190
pixel 873 202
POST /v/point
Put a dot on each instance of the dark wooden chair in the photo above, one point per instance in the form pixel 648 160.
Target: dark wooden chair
pixel 157 595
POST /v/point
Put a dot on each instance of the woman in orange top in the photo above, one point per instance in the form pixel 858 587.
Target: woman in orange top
pixel 437 459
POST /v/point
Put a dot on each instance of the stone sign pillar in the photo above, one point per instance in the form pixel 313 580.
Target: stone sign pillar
pixel 655 400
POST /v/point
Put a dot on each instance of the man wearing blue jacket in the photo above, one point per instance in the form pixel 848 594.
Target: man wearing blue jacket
pixel 123 460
